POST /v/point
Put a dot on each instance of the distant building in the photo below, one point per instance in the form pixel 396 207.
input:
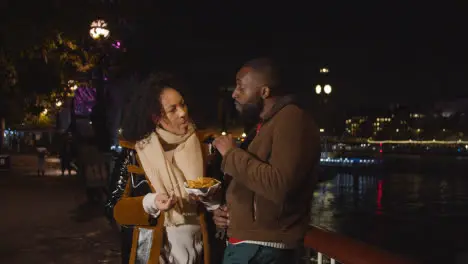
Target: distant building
pixel 353 125
pixel 449 108
pixel 326 111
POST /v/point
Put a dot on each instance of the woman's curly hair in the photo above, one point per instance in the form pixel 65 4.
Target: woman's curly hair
pixel 145 103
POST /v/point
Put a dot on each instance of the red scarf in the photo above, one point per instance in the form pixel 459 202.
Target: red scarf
pixel 259 126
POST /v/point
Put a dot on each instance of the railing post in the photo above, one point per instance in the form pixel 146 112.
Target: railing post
pixel 319 258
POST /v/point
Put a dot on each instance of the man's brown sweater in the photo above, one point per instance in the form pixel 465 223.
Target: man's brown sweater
pixel 269 196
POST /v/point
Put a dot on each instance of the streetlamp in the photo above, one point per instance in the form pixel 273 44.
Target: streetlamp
pixel 72 85
pixel 318 89
pixel 99 29
pixel 327 89
pixel 99 32
pixel 323 90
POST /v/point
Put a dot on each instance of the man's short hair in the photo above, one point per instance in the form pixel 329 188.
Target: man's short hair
pixel 271 71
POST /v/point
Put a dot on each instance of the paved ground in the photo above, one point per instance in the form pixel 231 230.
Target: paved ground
pixel 46 220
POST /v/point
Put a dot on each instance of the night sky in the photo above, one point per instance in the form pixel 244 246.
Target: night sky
pixel 377 54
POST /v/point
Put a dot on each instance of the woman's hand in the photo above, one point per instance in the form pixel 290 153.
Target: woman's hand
pixel 164 202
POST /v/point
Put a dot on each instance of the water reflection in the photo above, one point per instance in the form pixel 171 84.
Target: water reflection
pixel 412 213
pixel 344 194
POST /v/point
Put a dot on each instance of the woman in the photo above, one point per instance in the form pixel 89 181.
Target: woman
pixel 169 227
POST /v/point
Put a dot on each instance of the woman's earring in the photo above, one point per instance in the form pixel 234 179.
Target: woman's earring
pixel 155 118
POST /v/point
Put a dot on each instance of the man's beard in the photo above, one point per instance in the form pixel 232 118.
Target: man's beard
pixel 250 112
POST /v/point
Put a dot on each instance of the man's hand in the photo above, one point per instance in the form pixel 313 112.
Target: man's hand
pixel 164 202
pixel 224 144
pixel 221 217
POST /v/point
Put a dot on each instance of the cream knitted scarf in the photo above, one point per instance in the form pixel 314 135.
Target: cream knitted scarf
pixel 168 176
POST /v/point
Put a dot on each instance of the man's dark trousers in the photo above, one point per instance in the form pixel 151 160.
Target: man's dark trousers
pixel 245 253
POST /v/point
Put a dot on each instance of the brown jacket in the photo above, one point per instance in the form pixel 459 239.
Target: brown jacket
pixel 269 196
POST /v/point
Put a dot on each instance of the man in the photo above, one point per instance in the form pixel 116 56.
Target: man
pixel 66 155
pixel 268 198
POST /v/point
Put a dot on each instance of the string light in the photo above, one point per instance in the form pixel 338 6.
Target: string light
pixel 418 142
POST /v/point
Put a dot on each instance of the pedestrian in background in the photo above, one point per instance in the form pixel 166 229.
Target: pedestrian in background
pixel 41 155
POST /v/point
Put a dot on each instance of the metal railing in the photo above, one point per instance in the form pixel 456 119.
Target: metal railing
pixel 323 246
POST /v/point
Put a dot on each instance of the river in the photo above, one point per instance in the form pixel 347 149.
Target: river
pixel 409 205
